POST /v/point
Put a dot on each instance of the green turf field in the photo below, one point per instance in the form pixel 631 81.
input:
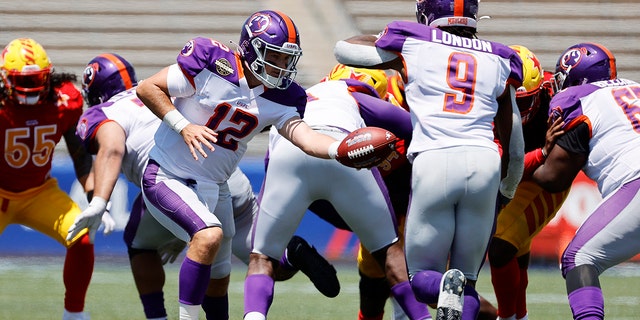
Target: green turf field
pixel 31 288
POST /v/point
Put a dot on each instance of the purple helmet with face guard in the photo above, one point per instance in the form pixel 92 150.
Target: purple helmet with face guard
pixel 447 13
pixel 584 63
pixel 270 31
pixel 105 76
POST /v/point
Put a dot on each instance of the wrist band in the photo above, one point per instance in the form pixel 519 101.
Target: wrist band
pixel 333 149
pixel 544 153
pixel 98 202
pixel 175 120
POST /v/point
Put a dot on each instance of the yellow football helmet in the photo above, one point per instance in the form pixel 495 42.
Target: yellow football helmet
pixel 528 95
pixel 26 71
pixel 373 77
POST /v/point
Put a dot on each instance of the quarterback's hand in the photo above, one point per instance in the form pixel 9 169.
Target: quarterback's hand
pixel 107 221
pixel 89 218
pixel 170 250
pixel 198 138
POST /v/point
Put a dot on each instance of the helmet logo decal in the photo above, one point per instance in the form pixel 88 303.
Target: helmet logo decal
pixel 187 50
pixel 290 46
pixel 82 128
pixel 223 67
pixel 456 21
pixel 571 58
pixel 27 53
pixel 89 74
pixel 258 24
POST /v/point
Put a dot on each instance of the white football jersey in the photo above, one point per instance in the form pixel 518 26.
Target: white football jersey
pixel 453 83
pixel 138 122
pixel 329 103
pixel 610 108
pixel 224 102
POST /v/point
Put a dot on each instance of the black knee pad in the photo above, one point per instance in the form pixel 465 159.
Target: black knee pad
pixel 133 252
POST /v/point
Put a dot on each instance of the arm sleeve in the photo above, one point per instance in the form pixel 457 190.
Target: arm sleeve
pixel 177 83
pixel 361 55
pixel 532 160
pixel 515 167
pixel 576 140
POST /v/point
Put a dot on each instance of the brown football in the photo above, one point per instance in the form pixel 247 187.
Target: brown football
pixel 366 147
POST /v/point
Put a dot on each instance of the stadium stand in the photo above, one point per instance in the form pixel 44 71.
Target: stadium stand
pixel 149 32
pixel 547 27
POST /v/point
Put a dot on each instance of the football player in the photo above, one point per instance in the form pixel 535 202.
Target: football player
pixel 349 99
pixel 448 229
pixel 119 130
pixel 222 98
pixel 598 110
pixel 395 170
pixel 532 207
pixel 37 108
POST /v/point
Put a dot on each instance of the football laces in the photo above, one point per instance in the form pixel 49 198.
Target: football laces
pixel 361 152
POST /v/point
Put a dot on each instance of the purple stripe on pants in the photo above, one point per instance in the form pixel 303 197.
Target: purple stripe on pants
pixel 606 212
pixel 168 202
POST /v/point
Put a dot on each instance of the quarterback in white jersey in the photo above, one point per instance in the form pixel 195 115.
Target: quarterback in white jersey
pixel 224 98
pixel 602 139
pixel 120 131
pixel 457 88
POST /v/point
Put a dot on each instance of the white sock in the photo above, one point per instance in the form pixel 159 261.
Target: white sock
pixel 254 316
pixel 66 315
pixel 189 312
pixel 512 317
pixel 526 317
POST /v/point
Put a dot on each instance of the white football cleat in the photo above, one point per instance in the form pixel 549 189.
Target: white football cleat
pixel 451 298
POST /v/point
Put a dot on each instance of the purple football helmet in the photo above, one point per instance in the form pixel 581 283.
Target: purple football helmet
pixel 270 31
pixel 105 76
pixel 584 63
pixel 447 13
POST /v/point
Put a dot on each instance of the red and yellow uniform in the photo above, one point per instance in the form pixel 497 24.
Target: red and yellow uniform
pixel 29 195
pixel 531 208
pixel 37 109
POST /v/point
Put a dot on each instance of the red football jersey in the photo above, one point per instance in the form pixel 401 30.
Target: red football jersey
pixel 29 135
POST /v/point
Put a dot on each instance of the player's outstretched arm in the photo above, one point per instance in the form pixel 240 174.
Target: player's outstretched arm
pixel 361 51
pixel 311 142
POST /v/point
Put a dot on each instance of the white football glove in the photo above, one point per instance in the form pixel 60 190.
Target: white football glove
pixel 170 250
pixel 107 221
pixel 90 218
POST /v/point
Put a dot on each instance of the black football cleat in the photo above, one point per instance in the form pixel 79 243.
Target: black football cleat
pixel 321 273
